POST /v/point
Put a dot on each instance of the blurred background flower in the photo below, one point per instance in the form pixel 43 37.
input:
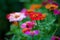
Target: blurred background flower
pixel 51 6
pixel 57 12
pixel 55 38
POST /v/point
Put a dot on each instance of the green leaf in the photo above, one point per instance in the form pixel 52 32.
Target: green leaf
pixel 9 33
pixel 13 27
pixel 13 38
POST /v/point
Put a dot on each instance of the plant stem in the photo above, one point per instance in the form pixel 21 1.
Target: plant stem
pixel 18 25
pixel 57 26
pixel 32 37
pixel 38 24
pixel 55 31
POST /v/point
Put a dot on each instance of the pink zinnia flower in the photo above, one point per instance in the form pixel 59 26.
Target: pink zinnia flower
pixel 28 24
pixel 17 16
pixel 57 12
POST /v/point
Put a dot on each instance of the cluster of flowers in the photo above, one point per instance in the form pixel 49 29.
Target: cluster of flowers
pixel 34 16
pixel 27 26
pixel 52 6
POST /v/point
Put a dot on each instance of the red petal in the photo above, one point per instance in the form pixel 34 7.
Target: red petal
pixel 8 15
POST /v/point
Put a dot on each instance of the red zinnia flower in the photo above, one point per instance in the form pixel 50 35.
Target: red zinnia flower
pixel 36 16
pixel 28 12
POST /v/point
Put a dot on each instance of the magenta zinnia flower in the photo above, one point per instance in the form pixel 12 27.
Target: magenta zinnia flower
pixel 56 12
pixel 32 33
pixel 17 16
pixel 55 38
pixel 28 24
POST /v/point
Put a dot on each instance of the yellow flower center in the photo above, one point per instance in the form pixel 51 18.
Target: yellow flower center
pixel 35 15
pixel 52 8
pixel 16 16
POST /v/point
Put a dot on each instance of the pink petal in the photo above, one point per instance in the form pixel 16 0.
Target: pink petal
pixel 23 10
pixel 23 25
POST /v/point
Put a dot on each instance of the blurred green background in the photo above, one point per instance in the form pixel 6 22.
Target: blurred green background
pixel 8 6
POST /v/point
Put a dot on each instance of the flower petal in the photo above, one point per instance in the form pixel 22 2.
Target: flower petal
pixel 27 33
pixel 23 10
pixel 23 25
pixel 36 32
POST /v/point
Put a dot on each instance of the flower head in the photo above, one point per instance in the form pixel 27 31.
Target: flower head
pixel 56 12
pixel 55 38
pixel 35 6
pixel 36 32
pixel 37 16
pixel 28 24
pixel 51 6
pixel 32 33
pixel 17 16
